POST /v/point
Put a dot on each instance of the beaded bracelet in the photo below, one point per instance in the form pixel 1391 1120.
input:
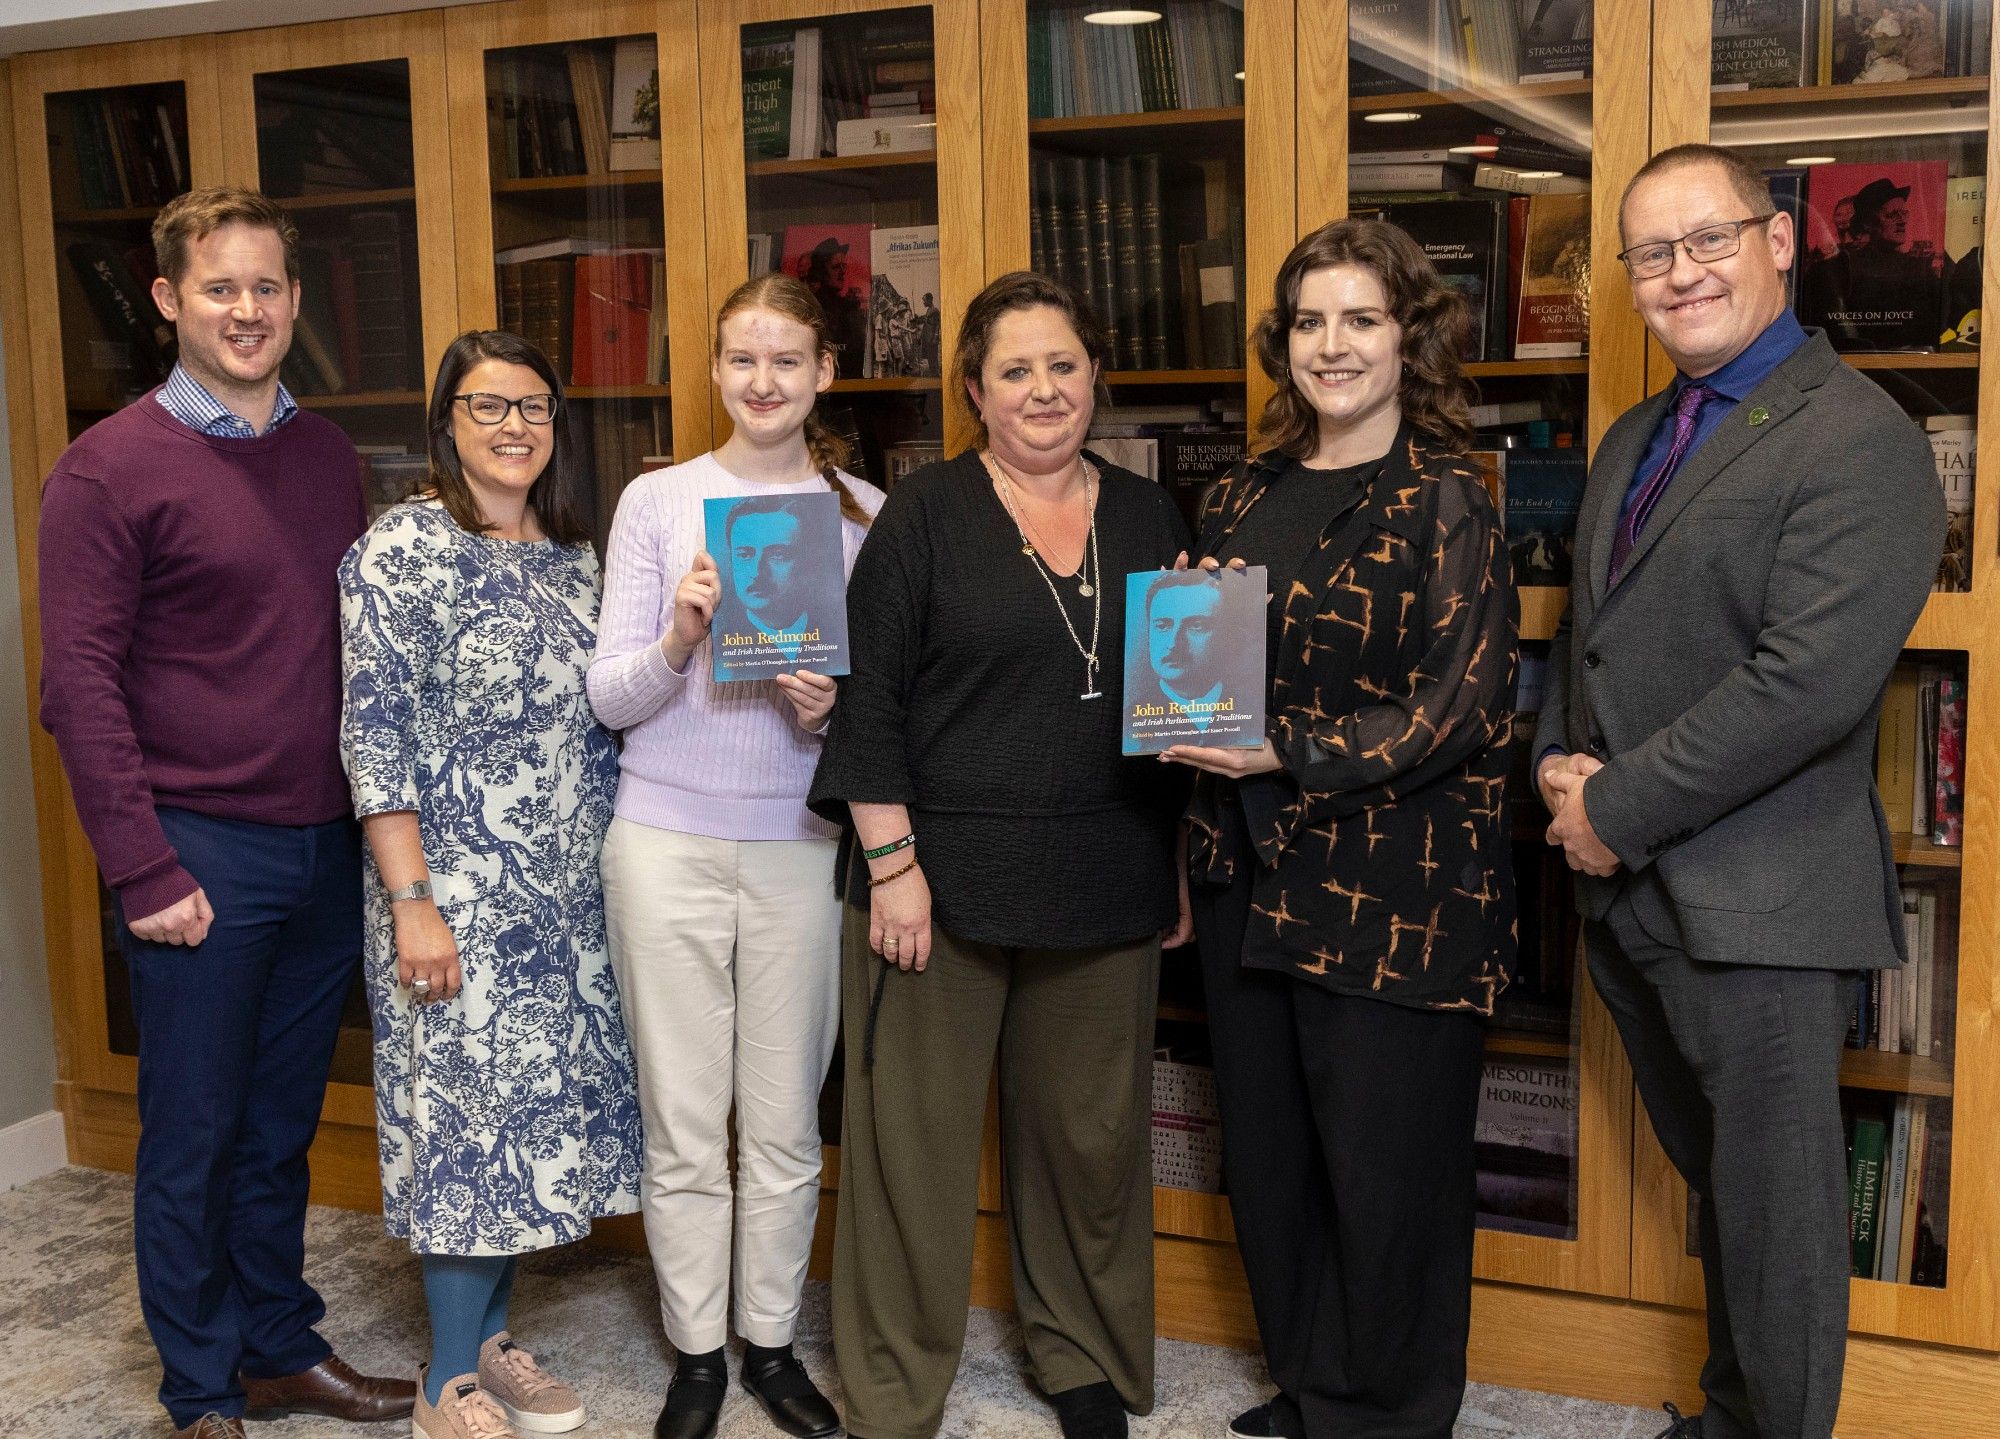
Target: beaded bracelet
pixel 873 880
pixel 904 843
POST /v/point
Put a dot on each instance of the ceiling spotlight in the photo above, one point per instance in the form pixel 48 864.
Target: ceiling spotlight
pixel 1121 17
pixel 1474 150
pixel 1811 160
pixel 1539 174
pixel 1391 117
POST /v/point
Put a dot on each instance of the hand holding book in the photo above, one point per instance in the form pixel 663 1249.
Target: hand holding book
pixel 695 599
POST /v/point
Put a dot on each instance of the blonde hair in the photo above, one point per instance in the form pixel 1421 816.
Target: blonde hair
pixel 783 295
pixel 188 219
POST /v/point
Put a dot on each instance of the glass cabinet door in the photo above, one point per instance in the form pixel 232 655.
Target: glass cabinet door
pixel 1871 120
pixel 105 141
pixel 1500 145
pixel 567 234
pixel 833 171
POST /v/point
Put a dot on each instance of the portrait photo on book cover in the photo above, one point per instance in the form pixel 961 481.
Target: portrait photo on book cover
pixel 1873 254
pixel 784 588
pixel 1194 659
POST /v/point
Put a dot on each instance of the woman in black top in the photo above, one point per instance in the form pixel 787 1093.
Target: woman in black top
pixel 1013 881
pixel 1353 893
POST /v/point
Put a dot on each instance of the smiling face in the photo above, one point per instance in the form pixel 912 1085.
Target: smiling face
pixel 1035 391
pixel 501 462
pixel 768 371
pixel 1704 316
pixel 233 310
pixel 1180 637
pixel 763 563
pixel 1346 354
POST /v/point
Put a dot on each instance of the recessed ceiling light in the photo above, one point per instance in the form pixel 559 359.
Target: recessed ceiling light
pixel 1811 160
pixel 1539 174
pixel 1474 150
pixel 1391 117
pixel 1121 17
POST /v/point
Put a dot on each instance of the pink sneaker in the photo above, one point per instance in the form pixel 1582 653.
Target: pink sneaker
pixel 536 1401
pixel 464 1411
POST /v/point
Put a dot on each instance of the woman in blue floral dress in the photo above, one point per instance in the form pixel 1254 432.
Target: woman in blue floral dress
pixel 504 1092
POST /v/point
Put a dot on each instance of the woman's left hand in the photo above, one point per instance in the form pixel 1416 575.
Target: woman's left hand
pixel 1229 763
pixel 811 696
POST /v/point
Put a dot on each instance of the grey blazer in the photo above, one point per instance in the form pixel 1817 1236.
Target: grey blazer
pixel 1731 681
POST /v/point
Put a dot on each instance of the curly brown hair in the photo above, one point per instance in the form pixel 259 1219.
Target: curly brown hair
pixel 1436 396
pixel 1022 290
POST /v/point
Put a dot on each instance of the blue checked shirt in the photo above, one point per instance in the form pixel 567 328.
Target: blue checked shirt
pixel 187 400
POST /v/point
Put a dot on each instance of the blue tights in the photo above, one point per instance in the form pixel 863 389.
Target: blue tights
pixel 467 1296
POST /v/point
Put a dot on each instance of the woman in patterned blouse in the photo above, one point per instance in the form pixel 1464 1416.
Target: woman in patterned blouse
pixel 1352 890
pixel 504 1096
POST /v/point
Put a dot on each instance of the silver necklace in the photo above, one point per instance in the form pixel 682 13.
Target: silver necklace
pixel 1092 583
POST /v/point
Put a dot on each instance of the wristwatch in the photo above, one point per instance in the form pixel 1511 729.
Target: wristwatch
pixel 419 890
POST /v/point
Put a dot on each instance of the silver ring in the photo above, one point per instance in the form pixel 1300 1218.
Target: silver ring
pixel 420 986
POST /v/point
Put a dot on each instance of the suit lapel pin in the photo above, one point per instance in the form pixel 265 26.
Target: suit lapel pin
pixel 1758 414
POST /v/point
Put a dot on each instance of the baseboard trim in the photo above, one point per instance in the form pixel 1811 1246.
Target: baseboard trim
pixel 36 1146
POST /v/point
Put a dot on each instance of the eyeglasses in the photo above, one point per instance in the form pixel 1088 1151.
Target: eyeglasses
pixel 492 409
pixel 1704 246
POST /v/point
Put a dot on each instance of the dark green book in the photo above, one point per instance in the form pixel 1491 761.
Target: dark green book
pixel 1864 1194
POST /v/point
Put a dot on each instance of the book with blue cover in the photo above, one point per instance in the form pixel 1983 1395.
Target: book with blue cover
pixel 784 585
pixel 1194 659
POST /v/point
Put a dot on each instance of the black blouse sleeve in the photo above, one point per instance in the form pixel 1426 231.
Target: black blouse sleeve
pixel 1457 699
pixel 865 760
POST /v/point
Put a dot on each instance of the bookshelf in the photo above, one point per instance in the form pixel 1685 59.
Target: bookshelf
pixel 1611 1312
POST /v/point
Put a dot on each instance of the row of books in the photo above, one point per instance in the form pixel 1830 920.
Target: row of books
pixel 327 131
pixel 1889 254
pixel 1189 57
pixel 1522 263
pixel 359 325
pixel 810 90
pixel 1185 448
pixel 1524 1146
pixel 876 284
pixel 1765 44
pixel 597 310
pixel 1154 245
pixel 583 109
pixel 130 145
pixel 1910 1010
pixel 1899 1188
pixel 1428 45
pixel 1920 752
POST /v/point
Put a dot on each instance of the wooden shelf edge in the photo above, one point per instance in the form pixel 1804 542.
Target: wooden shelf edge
pixel 124 215
pixel 1895 1073
pixel 1173 377
pixel 1944 87
pixel 1500 369
pixel 613 180
pixel 1134 120
pixel 361 399
pixel 332 199
pixel 893 160
pixel 1470 94
pixel 1191 1214
pixel 1913 360
pixel 620 392
pixel 1915 849
pixel 886 385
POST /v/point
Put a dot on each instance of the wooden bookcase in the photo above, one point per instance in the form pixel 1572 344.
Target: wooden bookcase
pixel 1612 1311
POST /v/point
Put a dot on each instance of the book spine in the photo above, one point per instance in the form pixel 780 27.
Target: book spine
pixel 1076 230
pixel 1103 251
pixel 1152 264
pixel 1948 807
pixel 1864 1195
pixel 1894 1176
pixel 1125 242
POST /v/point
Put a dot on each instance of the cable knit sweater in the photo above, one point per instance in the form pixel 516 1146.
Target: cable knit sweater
pixel 729 760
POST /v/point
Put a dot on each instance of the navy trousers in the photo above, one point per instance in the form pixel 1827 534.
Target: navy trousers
pixel 236 1036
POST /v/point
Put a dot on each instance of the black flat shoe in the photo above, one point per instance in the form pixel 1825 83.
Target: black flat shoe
pixel 1258 1423
pixel 1091 1411
pixel 702 1387
pixel 796 1406
pixel 1680 1426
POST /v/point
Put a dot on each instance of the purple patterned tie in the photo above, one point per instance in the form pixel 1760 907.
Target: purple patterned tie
pixel 1640 508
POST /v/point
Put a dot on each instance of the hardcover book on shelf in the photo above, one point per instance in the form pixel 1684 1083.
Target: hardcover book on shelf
pixel 127 318
pixel 904 324
pixel 1873 254
pixel 635 104
pixel 1554 318
pixel 784 585
pixel 767 100
pixel 1763 44
pixel 1524 1143
pixel 1867 1152
pixel 806 129
pixel 1788 194
pixel 1955 448
pixel 1544 491
pixel 885 135
pixel 1393 46
pixel 1194 659
pixel 1192 460
pixel 382 247
pixel 833 262
pixel 1948 775
pixel 1885 42
pixel 612 328
pixel 1555 40
pixel 1964 259
pixel 590 86
pixel 1459 238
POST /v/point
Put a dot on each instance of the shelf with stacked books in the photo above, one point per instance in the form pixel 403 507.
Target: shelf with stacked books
pixel 841 189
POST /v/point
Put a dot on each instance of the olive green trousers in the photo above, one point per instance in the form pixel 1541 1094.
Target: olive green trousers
pixel 1072 1031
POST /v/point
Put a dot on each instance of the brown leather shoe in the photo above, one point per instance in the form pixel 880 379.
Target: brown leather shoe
pixel 212 1426
pixel 332 1388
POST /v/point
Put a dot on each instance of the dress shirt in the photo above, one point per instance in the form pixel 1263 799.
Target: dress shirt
pixel 188 400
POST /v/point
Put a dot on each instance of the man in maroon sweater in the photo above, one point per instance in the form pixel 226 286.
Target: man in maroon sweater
pixel 191 678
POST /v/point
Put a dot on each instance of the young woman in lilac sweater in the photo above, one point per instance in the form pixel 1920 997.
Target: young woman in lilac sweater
pixel 718 885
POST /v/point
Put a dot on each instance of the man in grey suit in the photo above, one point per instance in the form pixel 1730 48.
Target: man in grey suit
pixel 1753 547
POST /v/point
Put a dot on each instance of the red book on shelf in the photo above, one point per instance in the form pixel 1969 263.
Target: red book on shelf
pixel 346 316
pixel 613 315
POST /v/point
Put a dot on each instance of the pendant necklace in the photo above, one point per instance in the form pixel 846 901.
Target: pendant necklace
pixel 1091 579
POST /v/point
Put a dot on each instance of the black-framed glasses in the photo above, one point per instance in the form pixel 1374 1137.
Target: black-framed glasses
pixel 1704 246
pixel 492 409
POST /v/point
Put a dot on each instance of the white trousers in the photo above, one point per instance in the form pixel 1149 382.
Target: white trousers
pixel 728 961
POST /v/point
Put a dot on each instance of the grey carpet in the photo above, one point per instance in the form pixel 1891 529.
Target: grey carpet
pixel 75 1359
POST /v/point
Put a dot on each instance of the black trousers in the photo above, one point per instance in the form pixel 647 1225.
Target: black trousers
pixel 1739 1068
pixel 1347 1147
